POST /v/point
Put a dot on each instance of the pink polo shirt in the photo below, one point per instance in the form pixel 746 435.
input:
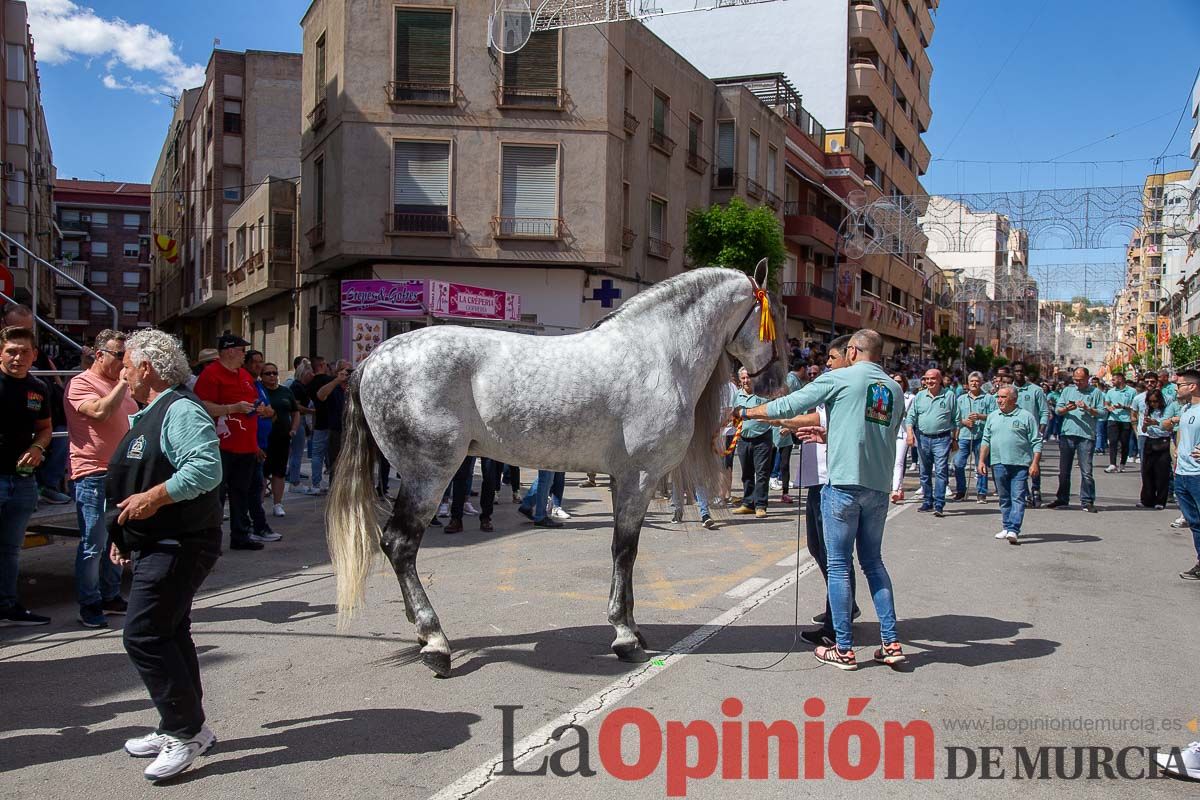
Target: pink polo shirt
pixel 93 441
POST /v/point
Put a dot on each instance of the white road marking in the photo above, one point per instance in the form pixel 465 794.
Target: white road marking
pixel 533 744
pixel 790 561
pixel 747 587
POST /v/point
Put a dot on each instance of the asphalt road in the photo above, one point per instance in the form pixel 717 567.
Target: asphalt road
pixel 1085 624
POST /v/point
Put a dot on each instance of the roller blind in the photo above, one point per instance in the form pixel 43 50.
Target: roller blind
pixel 534 66
pixel 422 175
pixel 423 45
pixel 529 182
pixel 658 210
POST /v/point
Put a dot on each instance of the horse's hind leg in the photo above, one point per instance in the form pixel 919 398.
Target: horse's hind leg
pixel 400 541
pixel 631 498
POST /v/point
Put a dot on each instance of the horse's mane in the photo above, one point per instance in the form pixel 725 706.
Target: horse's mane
pixel 680 289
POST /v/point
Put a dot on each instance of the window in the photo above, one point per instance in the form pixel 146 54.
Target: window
pixel 695 134
pixel 772 168
pixel 752 161
pixel 870 284
pixel 70 249
pixel 99 277
pixel 233 116
pixel 68 308
pixel 16 188
pixel 250 248
pixel 726 152
pixel 529 191
pixel 131 250
pixel 662 109
pixel 99 219
pixel 16 256
pixel 319 191
pixel 131 278
pixel 232 179
pixel 238 253
pixel 319 68
pixel 421 187
pixel 258 234
pixel 132 220
pixel 897 297
pixel 130 308
pixel 423 69
pixel 531 74
pixel 70 216
pixel 15 62
pixel 100 249
pixel 18 133
pixel 657 244
pixel 281 235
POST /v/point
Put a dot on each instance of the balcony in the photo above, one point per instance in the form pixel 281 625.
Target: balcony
pixel 408 223
pixel 317 117
pixel 75 226
pixel 315 235
pixel 76 270
pixel 411 93
pixel 536 99
pixel 657 248
pixel 815 302
pixel 628 237
pixel 803 227
pixel 547 228
pixel 206 296
pixel 631 123
pixel 254 262
pixel 261 278
pixel 285 254
pixel 725 178
pixel 773 200
pixel 696 162
pixel 754 189
pixel 661 142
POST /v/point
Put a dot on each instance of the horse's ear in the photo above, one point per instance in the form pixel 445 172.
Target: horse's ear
pixel 760 274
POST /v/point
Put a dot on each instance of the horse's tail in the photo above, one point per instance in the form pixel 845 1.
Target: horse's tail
pixel 352 529
pixel 701 467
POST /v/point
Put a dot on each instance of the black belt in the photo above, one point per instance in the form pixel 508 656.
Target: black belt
pixel 936 435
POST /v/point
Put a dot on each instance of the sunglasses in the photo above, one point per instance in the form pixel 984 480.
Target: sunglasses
pixel 270 374
pixel 118 354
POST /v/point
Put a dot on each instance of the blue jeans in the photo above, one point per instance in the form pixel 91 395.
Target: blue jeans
pixel 677 499
pixel 1187 492
pixel 296 456
pixel 935 468
pixel 968 452
pixel 1101 436
pixel 854 515
pixel 50 474
pixel 1055 425
pixel 96 578
pixel 18 501
pixel 1135 445
pixel 320 448
pixel 1010 483
pixel 540 490
pixel 1068 448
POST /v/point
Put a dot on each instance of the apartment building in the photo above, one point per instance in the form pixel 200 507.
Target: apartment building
pixel 860 65
pixel 105 245
pixel 1191 266
pixel 530 191
pixel 27 214
pixel 226 136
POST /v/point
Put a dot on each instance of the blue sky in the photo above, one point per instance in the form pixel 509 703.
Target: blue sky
pixel 1014 80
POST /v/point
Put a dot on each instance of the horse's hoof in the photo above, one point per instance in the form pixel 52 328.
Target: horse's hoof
pixel 631 652
pixel 641 639
pixel 438 662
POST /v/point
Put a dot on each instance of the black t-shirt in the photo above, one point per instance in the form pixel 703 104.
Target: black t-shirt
pixel 58 414
pixel 300 392
pixel 329 410
pixel 23 401
pixel 284 403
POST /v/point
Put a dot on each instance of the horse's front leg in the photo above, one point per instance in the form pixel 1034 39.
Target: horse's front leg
pixel 631 498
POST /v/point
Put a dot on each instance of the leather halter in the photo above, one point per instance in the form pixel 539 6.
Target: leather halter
pixel 774 346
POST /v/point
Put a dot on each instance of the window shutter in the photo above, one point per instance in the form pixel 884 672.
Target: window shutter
pixel 530 182
pixel 534 66
pixel 422 176
pixel 752 167
pixel 423 46
pixel 725 153
pixel 657 210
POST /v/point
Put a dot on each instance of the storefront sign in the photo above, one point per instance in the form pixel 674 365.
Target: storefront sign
pixel 376 298
pixel 365 335
pixel 472 302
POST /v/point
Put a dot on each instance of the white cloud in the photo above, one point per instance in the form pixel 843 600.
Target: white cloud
pixel 63 30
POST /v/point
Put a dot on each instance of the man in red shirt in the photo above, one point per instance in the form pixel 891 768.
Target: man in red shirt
pixel 228 393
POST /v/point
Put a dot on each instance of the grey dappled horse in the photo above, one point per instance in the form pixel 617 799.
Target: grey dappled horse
pixel 637 396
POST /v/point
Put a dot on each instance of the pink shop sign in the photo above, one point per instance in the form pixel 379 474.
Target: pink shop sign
pixel 472 302
pixel 379 298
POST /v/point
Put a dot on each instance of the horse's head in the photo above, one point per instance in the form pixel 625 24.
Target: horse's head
pixel 758 341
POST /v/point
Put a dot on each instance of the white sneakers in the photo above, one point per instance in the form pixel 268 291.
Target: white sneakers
pixel 1002 535
pixel 265 536
pixel 1190 758
pixel 558 513
pixel 776 483
pixel 1011 536
pixel 1179 523
pixel 470 510
pixel 444 510
pixel 1110 469
pixel 278 510
pixel 172 754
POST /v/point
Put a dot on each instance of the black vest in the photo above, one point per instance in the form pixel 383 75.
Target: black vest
pixel 139 465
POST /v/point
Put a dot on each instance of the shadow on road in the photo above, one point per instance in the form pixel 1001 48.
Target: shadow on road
pixel 273 612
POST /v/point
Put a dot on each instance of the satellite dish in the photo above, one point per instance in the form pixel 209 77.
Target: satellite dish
pixel 856 199
pixel 510 25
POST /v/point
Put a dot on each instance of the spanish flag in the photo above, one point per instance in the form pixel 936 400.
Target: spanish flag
pixel 168 247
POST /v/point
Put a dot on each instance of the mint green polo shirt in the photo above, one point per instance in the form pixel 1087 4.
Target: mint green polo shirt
pixel 968 405
pixel 1079 423
pixel 189 441
pixel 931 414
pixel 866 410
pixel 752 427
pixel 1120 397
pixel 1011 438
pixel 1031 398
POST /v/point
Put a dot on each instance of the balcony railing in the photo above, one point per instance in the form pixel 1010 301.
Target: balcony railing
pixel 531 98
pixel 75 225
pixel 76 271
pixel 660 141
pixel 754 188
pixel 317 117
pixel 283 254
pixel 795 208
pixel 631 123
pixel 628 237
pixel 658 248
pixel 808 290
pixel 236 275
pixel 412 93
pixel 527 227
pixel 773 200
pixel 724 178
pixel 316 235
pixel 697 162
pixel 412 223
pixel 254 262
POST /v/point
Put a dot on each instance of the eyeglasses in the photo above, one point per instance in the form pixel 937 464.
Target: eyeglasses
pixel 270 374
pixel 117 354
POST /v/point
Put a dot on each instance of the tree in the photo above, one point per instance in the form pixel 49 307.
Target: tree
pixel 980 359
pixel 946 349
pixel 1185 350
pixel 737 236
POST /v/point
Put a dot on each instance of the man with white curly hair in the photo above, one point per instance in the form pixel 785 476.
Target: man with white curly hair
pixel 165 477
